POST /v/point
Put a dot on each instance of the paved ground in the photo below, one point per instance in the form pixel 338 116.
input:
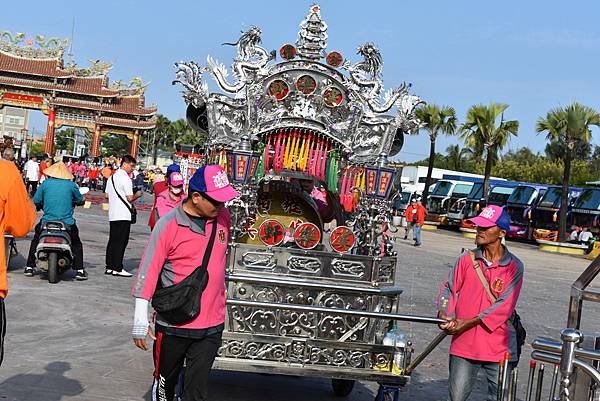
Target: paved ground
pixel 71 341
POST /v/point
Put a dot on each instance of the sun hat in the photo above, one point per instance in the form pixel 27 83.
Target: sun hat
pixel 176 179
pixel 492 216
pixel 212 180
pixel 58 170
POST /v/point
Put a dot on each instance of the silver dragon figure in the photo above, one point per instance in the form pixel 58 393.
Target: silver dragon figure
pixel 366 75
pixel 251 58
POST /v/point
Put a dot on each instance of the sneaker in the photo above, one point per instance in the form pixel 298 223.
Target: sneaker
pixel 405 237
pixel 108 271
pixel 122 273
pixel 417 244
pixel 29 271
pixel 81 275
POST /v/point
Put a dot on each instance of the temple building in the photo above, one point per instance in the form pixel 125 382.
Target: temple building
pixel 33 75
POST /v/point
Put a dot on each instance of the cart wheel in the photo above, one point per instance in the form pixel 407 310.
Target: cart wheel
pixel 342 387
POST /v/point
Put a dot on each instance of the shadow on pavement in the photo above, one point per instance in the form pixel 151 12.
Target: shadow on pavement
pixel 240 386
pixel 49 386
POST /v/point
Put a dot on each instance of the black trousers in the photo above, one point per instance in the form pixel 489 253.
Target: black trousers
pixel 2 328
pixel 118 238
pixel 33 185
pixel 170 352
pixel 76 246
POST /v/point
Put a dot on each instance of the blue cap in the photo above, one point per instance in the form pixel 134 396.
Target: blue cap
pixel 173 168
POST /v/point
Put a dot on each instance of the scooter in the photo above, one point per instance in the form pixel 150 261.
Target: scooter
pixel 54 254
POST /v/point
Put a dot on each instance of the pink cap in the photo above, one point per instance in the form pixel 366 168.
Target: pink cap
pixel 213 181
pixel 492 215
pixel 176 179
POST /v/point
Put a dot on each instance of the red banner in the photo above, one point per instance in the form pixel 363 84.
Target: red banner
pixel 22 98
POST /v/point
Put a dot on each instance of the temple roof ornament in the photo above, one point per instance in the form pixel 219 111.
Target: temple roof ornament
pixel 308 89
pixel 312 38
pixel 37 48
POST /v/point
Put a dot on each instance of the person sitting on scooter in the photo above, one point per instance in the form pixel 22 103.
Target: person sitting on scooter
pixel 57 196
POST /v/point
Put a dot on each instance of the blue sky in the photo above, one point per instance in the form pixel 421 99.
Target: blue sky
pixel 533 55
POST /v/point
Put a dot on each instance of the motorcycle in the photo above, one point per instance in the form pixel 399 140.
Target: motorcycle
pixel 53 252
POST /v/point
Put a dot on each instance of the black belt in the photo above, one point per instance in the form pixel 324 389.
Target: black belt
pixel 190 333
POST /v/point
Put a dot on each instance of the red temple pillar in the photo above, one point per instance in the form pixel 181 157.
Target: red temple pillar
pixel 49 143
pixel 134 143
pixel 95 151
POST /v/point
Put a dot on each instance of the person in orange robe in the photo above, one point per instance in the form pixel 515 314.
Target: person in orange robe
pixel 17 216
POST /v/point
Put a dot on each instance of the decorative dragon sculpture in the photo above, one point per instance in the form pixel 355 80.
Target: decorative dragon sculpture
pixel 189 74
pixel 366 75
pixel 251 58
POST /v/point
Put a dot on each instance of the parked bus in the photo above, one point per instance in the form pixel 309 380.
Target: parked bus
pixel 519 206
pixel 545 213
pixel 499 194
pixel 462 207
pixel 586 210
pixel 440 200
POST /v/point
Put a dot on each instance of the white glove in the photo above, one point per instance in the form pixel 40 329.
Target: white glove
pixel 140 319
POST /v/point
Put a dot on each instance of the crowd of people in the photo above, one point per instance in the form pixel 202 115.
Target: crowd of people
pixel 93 173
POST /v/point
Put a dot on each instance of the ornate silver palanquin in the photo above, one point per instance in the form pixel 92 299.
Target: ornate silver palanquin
pixel 290 310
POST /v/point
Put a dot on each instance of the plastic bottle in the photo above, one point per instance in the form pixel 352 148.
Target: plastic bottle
pixel 398 363
pixel 388 340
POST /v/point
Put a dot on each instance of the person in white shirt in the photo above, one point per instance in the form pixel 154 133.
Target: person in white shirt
pixel 32 174
pixel 119 190
pixel 574 237
pixel 585 236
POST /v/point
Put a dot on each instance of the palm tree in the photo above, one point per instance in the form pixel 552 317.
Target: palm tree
pixel 162 130
pixel 480 131
pixel 568 125
pixel 435 120
pixel 455 157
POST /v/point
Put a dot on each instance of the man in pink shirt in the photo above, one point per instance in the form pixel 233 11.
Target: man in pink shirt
pixel 175 249
pixel 481 333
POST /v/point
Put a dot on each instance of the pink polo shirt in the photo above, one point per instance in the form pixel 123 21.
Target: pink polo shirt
pixel 175 249
pixel 463 296
pixel 164 203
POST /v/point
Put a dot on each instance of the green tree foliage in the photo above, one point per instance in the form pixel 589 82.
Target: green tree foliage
pixel 435 120
pixel 555 150
pixel 37 148
pixel 64 139
pixel 479 131
pixel 115 145
pixel 570 126
pixel 521 165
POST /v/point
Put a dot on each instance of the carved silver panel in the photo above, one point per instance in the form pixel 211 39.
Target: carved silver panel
pixel 303 353
pixel 259 260
pixel 347 268
pixel 303 264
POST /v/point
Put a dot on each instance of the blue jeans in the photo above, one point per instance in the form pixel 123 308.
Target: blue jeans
pixel 463 374
pixel 417 234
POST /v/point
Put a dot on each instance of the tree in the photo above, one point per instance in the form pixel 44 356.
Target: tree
pixel 480 131
pixel 65 140
pixel 568 125
pixel 186 135
pixel 455 158
pixel 161 134
pixel 115 145
pixel 435 120
pixel 555 150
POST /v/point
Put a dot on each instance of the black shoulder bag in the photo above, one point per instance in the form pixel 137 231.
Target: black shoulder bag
pixel 131 208
pixel 514 320
pixel 180 303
